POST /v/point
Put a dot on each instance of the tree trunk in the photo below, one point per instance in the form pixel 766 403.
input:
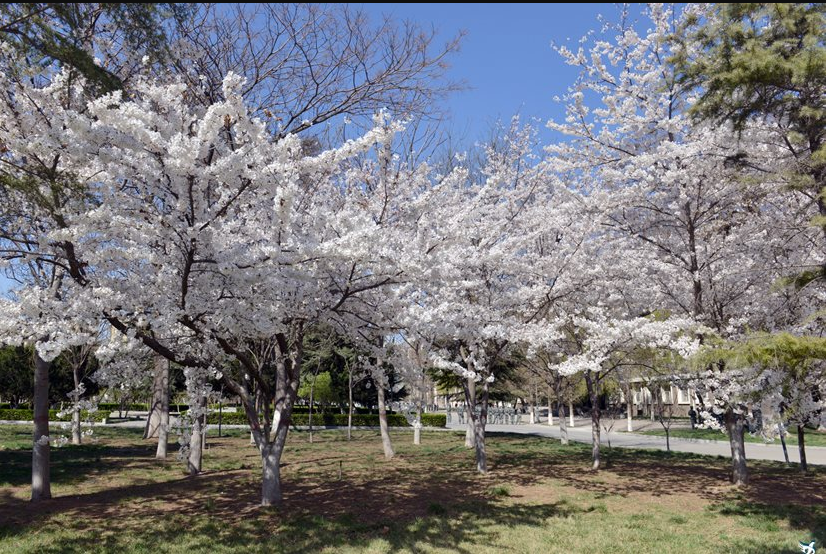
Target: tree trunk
pixel 271 475
pixel 479 423
pixel 801 447
pixel 783 442
pixel 310 411
pixel 736 429
pixel 595 415
pixel 417 426
pixel 385 432
pixel 470 401
pixel 550 408
pixel 532 410
pixel 563 427
pixel 76 435
pixel 41 481
pixel 196 438
pixel 350 410
pixel 571 413
pixel 629 410
pixel 157 424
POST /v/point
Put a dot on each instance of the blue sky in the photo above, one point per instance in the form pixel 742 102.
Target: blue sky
pixel 506 57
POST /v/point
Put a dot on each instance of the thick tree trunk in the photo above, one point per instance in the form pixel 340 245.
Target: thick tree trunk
pixel 386 443
pixel 350 409
pixel 563 427
pixel 783 442
pixel 736 428
pixel 271 494
pixel 310 411
pixel 417 426
pixel 470 402
pixel 196 439
pixel 595 416
pixel 801 447
pixel 629 410
pixel 76 434
pixel 479 422
pixel 41 481
pixel 157 423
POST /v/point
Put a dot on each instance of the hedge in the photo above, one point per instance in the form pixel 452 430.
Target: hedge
pixel 303 409
pixel 359 420
pixel 28 415
pixel 434 420
pixel 115 406
pixel 227 418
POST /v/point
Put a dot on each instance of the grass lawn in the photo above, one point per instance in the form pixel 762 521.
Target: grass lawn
pixel 813 438
pixel 113 496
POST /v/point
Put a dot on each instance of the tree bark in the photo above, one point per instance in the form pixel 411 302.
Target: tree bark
pixel 41 481
pixel 271 494
pixel 157 424
pixel 563 428
pixel 479 422
pixel 417 426
pixel 386 443
pixel 350 409
pixel 595 415
pixel 76 434
pixel 629 410
pixel 532 411
pixel 783 442
pixel 801 447
pixel 736 428
pixel 196 439
pixel 470 402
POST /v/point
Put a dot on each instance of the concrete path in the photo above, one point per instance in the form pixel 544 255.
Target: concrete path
pixel 582 433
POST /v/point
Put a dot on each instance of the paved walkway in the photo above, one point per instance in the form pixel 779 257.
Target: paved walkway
pixel 582 433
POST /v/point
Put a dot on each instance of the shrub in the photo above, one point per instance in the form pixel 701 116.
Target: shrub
pixel 227 418
pixel 434 420
pixel 359 420
pixel 28 415
pixel 115 406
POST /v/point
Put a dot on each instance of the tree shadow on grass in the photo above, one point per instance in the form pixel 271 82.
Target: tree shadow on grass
pixel 409 503
pixel 74 464
pixel 220 513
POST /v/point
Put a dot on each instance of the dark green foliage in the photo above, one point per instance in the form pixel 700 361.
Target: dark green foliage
pixel 763 59
pixel 16 374
pixel 68 33
pixel 17 377
pixel 28 415
pixel 115 406
pixel 340 420
pixel 434 420
pixel 767 61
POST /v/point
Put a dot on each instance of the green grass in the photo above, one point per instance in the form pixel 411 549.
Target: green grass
pixel 113 496
pixel 813 438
